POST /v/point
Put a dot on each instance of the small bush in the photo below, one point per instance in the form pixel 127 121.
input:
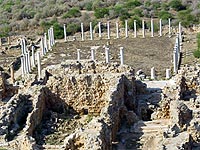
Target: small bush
pixel 164 15
pixel 101 12
pixel 196 53
pixel 177 5
pixel 88 6
pixel 74 12
pixel 132 4
pixel 186 18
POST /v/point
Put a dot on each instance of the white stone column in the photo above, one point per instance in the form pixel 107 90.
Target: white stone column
pixel 117 30
pixel 25 64
pixel 91 31
pixel 8 39
pixel 22 66
pixel 143 28
pixel 65 33
pixel 126 28
pixel 53 39
pixel 33 56
pixel 39 65
pixel 93 54
pixel 12 74
pixel 160 22
pixel 152 29
pixel 100 36
pixel 0 42
pixel 42 46
pixel 82 32
pixel 45 43
pixel 153 76
pixel 22 46
pixel 168 73
pixel 180 32
pixel 135 29
pixel 78 54
pixel 107 55
pixel 108 29
pixel 169 27
pixel 175 63
pixel 122 55
pixel 49 38
pixel 29 61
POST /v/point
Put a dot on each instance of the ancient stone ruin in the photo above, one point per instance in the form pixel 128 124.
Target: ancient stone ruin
pixel 89 104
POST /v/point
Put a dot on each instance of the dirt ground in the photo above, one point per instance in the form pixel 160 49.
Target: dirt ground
pixel 138 52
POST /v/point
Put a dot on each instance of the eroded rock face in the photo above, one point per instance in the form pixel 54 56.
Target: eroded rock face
pixel 180 114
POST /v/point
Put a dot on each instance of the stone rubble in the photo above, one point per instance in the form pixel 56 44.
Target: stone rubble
pixel 98 106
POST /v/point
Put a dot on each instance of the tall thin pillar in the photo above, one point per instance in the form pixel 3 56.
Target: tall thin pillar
pixel 93 54
pixel 49 38
pixel 42 46
pixel 82 32
pixel 143 28
pixel 29 61
pixel 107 55
pixel 175 61
pixel 22 66
pixel 12 74
pixel 160 22
pixel 135 29
pixel 0 42
pixel 169 20
pixel 91 31
pixel 100 36
pixel 45 43
pixel 39 65
pixel 168 73
pixel 180 32
pixel 126 28
pixel 108 29
pixel 65 33
pixel 117 30
pixel 33 56
pixel 78 54
pixel 53 39
pixel 153 76
pixel 122 55
pixel 152 29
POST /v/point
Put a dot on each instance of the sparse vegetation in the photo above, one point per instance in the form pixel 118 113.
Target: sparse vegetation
pixel 196 53
pixel 23 15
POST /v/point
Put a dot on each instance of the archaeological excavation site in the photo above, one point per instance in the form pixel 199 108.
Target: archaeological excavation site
pixel 100 91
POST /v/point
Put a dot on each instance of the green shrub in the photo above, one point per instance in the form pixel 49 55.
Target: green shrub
pixel 177 5
pixel 137 12
pixel 164 15
pixel 101 12
pixel 74 12
pixel 196 53
pixel 88 6
pixel 132 4
pixel 4 30
pixel 73 28
pixel 186 18
pixel 58 29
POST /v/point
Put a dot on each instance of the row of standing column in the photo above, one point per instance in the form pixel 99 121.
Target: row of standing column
pixel 29 62
pixel 153 73
pixel 107 55
pixel 117 29
pixel 177 50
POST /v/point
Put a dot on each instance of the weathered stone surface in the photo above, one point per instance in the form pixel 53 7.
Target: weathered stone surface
pixel 180 114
